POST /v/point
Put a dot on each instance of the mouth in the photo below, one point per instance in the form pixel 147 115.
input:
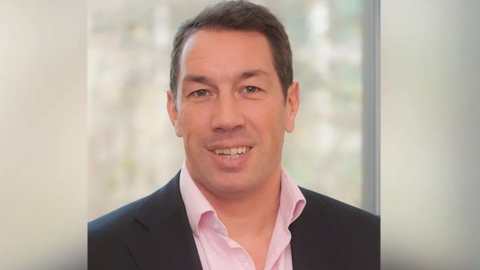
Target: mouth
pixel 233 152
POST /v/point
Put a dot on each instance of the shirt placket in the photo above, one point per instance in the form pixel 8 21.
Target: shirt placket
pixel 227 251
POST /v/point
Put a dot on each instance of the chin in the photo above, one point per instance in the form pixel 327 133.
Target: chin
pixel 229 185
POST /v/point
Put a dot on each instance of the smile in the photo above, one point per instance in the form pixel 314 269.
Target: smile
pixel 232 153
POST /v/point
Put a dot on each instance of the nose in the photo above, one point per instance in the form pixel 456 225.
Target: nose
pixel 228 113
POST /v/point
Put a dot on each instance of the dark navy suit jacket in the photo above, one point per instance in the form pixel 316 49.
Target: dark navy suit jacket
pixel 153 233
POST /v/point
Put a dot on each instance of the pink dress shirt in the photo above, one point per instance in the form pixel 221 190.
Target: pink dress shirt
pixel 217 251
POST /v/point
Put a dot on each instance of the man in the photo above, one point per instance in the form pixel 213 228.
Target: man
pixel 232 206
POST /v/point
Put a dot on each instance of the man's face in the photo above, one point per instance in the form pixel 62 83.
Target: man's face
pixel 230 111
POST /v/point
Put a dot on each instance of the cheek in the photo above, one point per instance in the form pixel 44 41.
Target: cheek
pixel 193 122
pixel 268 121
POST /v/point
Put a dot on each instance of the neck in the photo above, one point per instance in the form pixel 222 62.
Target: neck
pixel 249 215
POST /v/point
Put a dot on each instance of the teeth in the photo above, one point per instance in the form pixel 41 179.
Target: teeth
pixel 232 152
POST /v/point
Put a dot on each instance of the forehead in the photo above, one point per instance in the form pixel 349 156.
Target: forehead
pixel 226 50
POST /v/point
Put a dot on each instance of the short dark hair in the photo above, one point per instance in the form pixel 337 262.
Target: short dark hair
pixel 240 16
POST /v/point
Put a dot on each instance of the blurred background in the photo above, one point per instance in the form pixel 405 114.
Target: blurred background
pixel 132 146
pixel 430 128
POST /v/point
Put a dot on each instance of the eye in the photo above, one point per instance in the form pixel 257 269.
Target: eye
pixel 200 93
pixel 251 89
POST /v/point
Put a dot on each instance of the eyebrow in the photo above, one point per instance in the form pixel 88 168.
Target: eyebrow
pixel 211 82
pixel 199 79
pixel 252 73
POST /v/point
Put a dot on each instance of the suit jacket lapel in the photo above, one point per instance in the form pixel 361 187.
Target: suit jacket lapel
pixel 168 243
pixel 316 242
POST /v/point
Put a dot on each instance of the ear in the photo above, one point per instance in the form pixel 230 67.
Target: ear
pixel 173 113
pixel 292 104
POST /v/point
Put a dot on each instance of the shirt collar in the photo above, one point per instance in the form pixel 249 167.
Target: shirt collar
pixel 195 202
pixel 292 200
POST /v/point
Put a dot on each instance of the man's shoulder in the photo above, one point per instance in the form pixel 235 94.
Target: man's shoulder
pixel 353 233
pixel 108 234
pixel 116 221
pixel 134 216
pixel 339 212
